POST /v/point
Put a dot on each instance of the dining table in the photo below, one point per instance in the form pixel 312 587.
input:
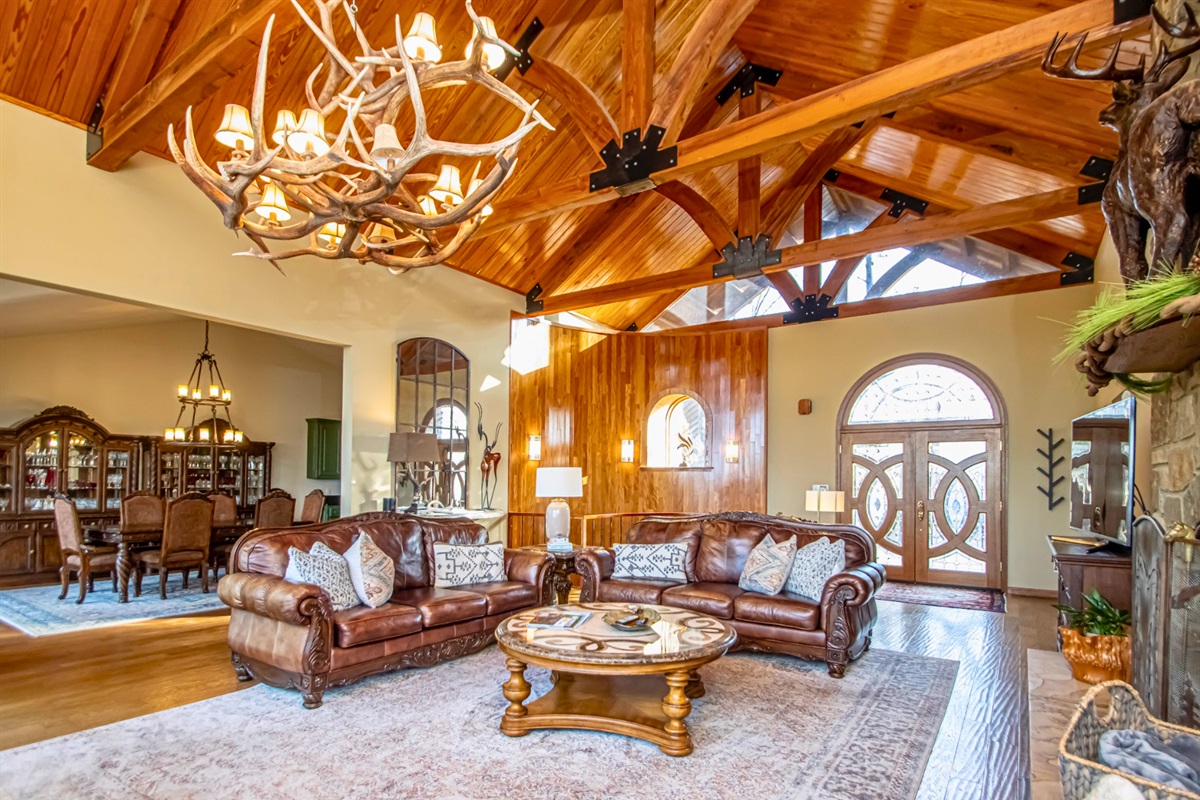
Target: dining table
pixel 129 540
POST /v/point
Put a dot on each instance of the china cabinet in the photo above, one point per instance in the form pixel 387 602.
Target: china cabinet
pixel 60 451
pixel 242 469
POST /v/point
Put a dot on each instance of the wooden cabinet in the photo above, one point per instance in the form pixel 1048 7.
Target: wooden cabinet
pixel 1080 571
pixel 324 449
pixel 242 470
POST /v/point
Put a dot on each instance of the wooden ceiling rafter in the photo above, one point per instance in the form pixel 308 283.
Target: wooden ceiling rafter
pixel 813 224
pixel 581 103
pixel 637 63
pixel 143 39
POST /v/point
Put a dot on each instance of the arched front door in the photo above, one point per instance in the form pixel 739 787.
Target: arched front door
pixel 921 461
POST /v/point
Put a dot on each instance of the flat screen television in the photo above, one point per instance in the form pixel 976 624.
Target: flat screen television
pixel 1102 472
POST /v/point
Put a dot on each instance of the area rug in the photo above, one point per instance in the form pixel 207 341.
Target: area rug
pixel 945 596
pixel 37 611
pixel 769 727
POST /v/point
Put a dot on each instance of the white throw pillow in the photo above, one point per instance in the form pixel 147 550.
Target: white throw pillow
pixel 768 566
pixel 814 565
pixel 658 562
pixel 372 571
pixel 460 564
pixel 325 568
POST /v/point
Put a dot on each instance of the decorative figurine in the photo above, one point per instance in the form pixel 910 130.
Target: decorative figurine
pixel 490 465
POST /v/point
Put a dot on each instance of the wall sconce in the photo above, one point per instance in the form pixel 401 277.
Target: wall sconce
pixel 535 448
pixel 627 451
pixel 732 451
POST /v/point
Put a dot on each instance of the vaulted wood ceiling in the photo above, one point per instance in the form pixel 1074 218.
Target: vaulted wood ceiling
pixel 974 129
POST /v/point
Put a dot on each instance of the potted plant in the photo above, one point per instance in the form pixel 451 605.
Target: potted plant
pixel 1095 640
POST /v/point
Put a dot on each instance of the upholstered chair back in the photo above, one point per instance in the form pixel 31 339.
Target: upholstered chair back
pixel 314 506
pixel 189 525
pixel 224 510
pixel 66 520
pixel 142 511
pixel 275 509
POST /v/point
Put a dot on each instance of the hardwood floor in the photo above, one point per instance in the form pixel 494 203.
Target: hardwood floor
pixel 60 684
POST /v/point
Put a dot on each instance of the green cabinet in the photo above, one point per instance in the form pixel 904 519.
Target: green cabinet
pixel 324 449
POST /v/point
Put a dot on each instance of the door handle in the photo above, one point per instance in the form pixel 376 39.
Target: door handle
pixel 920 511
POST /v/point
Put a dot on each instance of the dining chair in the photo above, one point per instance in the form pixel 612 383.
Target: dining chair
pixel 78 557
pixel 186 539
pixel 275 509
pixel 224 516
pixel 142 511
pixel 314 506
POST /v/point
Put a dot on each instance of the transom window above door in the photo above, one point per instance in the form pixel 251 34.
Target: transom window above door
pixel 921 392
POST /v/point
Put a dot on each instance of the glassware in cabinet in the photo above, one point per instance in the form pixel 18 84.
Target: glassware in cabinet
pixel 6 480
pixel 41 472
pixel 256 478
pixel 117 477
pixel 83 471
pixel 171 473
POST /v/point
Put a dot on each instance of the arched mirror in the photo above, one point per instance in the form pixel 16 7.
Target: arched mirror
pixel 432 396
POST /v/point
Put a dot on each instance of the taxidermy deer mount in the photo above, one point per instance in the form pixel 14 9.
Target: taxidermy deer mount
pixel 1155 181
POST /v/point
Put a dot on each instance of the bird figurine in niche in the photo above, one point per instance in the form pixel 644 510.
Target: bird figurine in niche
pixel 685 448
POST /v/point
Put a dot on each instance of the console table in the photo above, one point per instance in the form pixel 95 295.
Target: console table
pixel 1080 571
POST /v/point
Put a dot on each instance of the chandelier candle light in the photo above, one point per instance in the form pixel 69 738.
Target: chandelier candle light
pixel 359 196
pixel 203 402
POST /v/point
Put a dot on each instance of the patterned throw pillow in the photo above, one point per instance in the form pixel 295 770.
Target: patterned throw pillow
pixel 459 564
pixel 768 566
pixel 372 571
pixel 815 564
pixel 326 569
pixel 659 562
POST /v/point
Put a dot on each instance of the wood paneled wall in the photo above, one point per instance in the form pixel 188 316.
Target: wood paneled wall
pixel 598 389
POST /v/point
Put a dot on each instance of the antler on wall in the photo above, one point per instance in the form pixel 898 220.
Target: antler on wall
pixel 357 202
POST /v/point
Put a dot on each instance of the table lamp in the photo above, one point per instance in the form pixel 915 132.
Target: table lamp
pixel 411 449
pixel 824 500
pixel 558 483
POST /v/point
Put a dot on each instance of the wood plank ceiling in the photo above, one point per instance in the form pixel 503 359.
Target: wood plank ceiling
pixel 1017 135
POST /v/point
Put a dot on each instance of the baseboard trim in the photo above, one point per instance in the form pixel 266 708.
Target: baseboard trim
pixel 1041 594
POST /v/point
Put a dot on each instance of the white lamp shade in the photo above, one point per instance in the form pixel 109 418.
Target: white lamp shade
pixel 822 501
pixel 559 482
pixel 386 145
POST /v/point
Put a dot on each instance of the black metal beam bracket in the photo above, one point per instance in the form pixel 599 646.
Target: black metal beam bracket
pixel 95 134
pixel 902 202
pixel 812 308
pixel 523 61
pixel 1083 270
pixel 532 304
pixel 631 164
pixel 743 82
pixel 746 258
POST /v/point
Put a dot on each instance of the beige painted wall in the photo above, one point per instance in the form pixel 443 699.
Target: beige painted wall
pixel 1013 340
pixel 277 382
pixel 146 235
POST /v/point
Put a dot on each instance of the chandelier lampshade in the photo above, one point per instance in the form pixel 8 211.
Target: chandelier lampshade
pixel 381 234
pixel 428 207
pixel 387 146
pixel 236 131
pixel 421 43
pixel 309 137
pixel 331 233
pixel 493 54
pixel 448 188
pixel 273 207
pixel 487 208
pixel 285 125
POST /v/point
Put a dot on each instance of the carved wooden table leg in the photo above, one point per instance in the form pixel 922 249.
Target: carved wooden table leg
pixel 516 692
pixel 562 580
pixel 695 687
pixel 124 567
pixel 677 706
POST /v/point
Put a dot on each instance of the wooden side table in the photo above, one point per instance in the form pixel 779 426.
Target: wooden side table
pixel 558 578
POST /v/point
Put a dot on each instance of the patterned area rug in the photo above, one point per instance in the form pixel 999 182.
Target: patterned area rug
pixel 945 596
pixel 37 611
pixel 769 727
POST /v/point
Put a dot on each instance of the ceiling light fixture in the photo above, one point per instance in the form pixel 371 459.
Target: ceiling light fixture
pixel 202 404
pixel 337 192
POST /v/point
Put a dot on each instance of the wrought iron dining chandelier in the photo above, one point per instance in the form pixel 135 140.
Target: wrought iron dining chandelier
pixel 360 195
pixel 203 403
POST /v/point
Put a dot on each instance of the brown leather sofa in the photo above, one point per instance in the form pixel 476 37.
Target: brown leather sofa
pixel 836 630
pixel 287 635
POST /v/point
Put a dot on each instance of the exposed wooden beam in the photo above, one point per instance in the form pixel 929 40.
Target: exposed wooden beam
pixel 813 213
pixel 749 177
pixel 701 48
pixel 585 108
pixel 845 266
pixel 637 62
pixel 913 82
pixel 214 57
pixel 701 211
pixel 1046 205
pixel 144 38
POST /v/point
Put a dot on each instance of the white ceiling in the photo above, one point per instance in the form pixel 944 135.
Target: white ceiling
pixel 27 309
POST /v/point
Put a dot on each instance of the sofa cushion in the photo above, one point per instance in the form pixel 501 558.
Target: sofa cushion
pixel 658 530
pixel 504 595
pixel 657 562
pixel 768 566
pixel 372 571
pixel 724 548
pixel 442 606
pixel 363 624
pixel 324 568
pixel 458 564
pixel 713 599
pixel 648 592
pixel 782 610
pixel 814 565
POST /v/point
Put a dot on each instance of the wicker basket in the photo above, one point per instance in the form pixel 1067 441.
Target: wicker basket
pixel 1079 752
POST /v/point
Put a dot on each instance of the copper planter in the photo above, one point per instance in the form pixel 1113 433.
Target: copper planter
pixel 1095 659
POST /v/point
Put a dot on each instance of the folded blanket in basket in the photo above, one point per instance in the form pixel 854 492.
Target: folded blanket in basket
pixel 1145 755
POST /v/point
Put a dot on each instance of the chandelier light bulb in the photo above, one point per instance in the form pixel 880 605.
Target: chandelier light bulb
pixel 214 391
pixel 196 394
pixel 180 434
pixel 331 233
pixel 227 436
pixel 386 148
pixel 487 208
pixel 184 391
pixel 273 207
pixel 204 434
pixel 448 188
pixel 169 434
pixel 493 54
pixel 285 124
pixel 238 436
pixel 421 43
pixel 235 130
pixel 226 395
pixel 309 136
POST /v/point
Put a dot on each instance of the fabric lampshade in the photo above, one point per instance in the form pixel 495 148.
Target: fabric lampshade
pixel 411 447
pixel 825 501
pixel 559 482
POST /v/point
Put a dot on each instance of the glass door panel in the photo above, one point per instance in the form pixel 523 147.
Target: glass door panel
pixel 198 474
pixel 229 473
pixel 171 469
pixel 876 489
pixel 83 471
pixel 117 478
pixel 6 479
pixel 256 473
pixel 40 481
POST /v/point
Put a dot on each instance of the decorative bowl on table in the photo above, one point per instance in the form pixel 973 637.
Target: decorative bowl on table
pixel 633 619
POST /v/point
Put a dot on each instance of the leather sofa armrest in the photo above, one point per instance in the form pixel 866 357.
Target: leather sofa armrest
pixel 527 566
pixel 593 567
pixel 273 597
pixel 848 613
pixel 854 586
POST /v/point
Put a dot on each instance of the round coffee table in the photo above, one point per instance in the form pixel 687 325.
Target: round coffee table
pixel 608 680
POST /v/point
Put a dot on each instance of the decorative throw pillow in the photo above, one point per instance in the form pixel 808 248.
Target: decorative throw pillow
pixel 815 564
pixel 768 566
pixel 459 564
pixel 659 562
pixel 372 571
pixel 326 569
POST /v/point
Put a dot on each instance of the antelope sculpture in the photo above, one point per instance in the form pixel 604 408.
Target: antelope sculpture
pixel 490 465
pixel 1155 180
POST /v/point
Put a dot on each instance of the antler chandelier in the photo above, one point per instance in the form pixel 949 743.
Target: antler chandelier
pixel 359 197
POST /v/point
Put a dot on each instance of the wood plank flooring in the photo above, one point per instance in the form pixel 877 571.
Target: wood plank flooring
pixel 60 684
